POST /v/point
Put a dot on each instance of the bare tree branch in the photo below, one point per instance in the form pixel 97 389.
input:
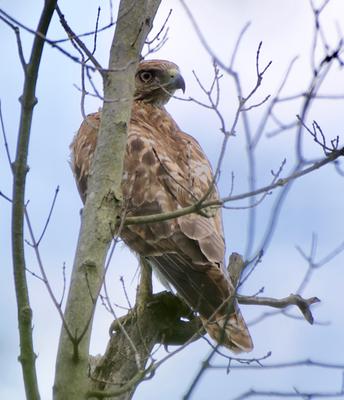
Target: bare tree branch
pixel 291 364
pixel 74 38
pixel 292 299
pixel 9 20
pixel 49 216
pixel 44 278
pixel 19 42
pixel 8 154
pixel 291 394
pixel 28 100
pixel 218 203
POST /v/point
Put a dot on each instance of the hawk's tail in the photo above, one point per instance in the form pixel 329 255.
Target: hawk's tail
pixel 230 330
pixel 206 289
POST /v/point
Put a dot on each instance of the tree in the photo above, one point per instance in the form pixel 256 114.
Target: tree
pixel 72 380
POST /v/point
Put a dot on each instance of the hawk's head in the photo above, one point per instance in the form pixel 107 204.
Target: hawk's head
pixel 156 81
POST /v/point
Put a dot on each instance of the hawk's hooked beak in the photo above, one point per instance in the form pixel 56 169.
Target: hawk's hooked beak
pixel 177 81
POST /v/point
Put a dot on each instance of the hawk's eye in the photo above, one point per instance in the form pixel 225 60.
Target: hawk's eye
pixel 146 76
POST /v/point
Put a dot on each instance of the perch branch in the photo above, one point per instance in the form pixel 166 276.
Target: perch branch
pixel 292 299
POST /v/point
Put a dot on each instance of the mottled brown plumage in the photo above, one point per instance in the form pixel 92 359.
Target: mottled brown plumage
pixel 166 169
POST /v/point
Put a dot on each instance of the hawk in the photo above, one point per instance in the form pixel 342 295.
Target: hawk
pixel 164 170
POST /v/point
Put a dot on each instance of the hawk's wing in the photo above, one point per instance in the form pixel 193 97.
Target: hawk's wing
pixel 82 151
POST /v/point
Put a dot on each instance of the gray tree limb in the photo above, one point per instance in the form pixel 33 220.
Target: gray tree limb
pixel 28 101
pixel 103 205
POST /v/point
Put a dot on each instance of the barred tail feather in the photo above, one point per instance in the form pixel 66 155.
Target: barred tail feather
pixel 206 290
pixel 230 331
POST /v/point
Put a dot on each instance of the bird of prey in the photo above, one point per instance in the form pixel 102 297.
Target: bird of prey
pixel 164 170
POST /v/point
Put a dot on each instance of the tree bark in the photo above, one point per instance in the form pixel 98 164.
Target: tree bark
pixel 103 205
pixel 161 318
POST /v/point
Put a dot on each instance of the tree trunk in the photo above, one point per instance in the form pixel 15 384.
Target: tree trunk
pixel 103 206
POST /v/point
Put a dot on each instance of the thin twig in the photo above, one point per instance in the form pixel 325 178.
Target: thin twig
pixel 7 19
pixel 49 215
pixel 35 246
pixel 74 38
pixel 8 154
pixel 2 194
pixel 237 44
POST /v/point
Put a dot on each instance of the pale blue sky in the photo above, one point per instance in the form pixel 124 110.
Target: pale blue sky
pixel 314 205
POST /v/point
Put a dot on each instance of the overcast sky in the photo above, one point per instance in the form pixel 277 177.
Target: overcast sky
pixel 314 204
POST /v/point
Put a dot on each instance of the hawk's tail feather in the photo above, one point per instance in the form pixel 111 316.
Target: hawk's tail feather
pixel 206 289
pixel 230 330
